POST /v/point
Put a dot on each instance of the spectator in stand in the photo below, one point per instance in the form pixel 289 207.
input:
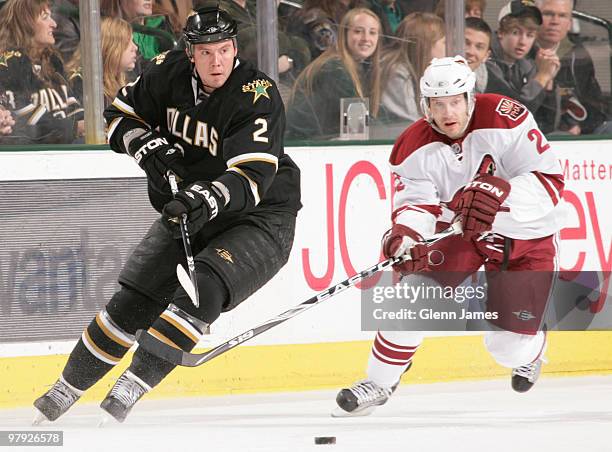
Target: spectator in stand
pixel 419 6
pixel 510 71
pixel 573 103
pixel 243 11
pixel 119 54
pixel 420 38
pixel 139 13
pixel 478 37
pixel 350 69
pixel 317 22
pixel 390 13
pixel 473 8
pixel 6 121
pixel 32 77
pixel 294 54
pixel 68 33
pixel 176 12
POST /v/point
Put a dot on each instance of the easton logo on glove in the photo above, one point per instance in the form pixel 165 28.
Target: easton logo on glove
pixel 150 146
pixel 480 201
pixel 485 186
pixel 212 202
pixel 156 156
pixel 201 202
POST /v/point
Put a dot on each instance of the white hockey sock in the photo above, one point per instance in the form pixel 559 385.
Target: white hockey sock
pixel 514 349
pixel 391 354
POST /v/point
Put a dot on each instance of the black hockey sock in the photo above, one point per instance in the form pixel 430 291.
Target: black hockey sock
pixel 100 348
pixel 150 368
pixel 175 327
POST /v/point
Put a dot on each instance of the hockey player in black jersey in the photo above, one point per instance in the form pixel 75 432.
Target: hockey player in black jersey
pixel 217 123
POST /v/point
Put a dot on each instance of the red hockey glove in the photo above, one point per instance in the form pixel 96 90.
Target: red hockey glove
pixel 480 201
pixel 401 240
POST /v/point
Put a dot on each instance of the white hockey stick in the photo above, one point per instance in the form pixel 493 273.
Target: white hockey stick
pixel 188 281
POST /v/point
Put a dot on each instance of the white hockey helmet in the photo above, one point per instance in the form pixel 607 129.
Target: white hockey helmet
pixel 446 77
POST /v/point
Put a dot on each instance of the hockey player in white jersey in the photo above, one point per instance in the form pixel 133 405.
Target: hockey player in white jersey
pixel 481 159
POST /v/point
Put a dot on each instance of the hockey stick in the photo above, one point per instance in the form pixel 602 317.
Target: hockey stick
pixel 176 356
pixel 189 282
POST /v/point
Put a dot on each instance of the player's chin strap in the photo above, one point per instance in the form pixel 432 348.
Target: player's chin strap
pixel 177 356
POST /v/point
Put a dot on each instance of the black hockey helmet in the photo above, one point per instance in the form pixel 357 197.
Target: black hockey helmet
pixel 209 24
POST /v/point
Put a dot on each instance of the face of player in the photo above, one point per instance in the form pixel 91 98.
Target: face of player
pixel 136 8
pixel 44 28
pixel 556 21
pixel 362 37
pixel 517 42
pixel 476 47
pixel 214 63
pixel 128 57
pixel 438 49
pixel 450 113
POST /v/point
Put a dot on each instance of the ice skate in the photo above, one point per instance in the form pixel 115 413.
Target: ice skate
pixel 55 402
pixel 123 396
pixel 524 377
pixel 361 399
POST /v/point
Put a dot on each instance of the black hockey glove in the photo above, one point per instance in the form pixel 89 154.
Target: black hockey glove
pixel 201 201
pixel 156 156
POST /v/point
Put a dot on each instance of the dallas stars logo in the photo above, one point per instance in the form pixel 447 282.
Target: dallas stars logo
pixel 5 56
pixel 258 87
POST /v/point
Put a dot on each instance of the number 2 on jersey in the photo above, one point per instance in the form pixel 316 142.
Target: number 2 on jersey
pixel 263 128
pixel 541 144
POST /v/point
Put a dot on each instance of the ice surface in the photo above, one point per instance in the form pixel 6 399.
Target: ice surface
pixel 558 414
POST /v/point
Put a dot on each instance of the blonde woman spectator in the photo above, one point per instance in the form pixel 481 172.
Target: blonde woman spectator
pixel 138 13
pixel 350 69
pixel 32 76
pixel 420 38
pixel 119 55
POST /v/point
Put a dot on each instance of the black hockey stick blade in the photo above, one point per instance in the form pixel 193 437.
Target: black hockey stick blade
pixel 175 356
pixel 150 343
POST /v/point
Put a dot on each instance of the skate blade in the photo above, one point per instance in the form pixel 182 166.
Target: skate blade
pixel 339 412
pixel 106 420
pixel 39 418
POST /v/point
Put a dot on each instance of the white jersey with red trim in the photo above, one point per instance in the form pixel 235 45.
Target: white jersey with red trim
pixel 430 171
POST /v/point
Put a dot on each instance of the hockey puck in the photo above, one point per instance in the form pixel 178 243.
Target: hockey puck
pixel 325 440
